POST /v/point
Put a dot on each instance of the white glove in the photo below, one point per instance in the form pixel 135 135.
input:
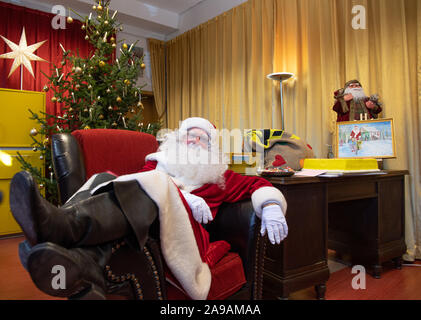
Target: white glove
pixel 273 221
pixel 199 207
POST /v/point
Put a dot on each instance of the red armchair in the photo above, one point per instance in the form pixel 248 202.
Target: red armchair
pixel 142 275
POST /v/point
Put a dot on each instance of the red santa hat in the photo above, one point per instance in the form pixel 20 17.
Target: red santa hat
pixel 197 122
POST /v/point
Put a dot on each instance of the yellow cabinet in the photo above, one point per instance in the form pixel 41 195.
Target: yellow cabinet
pixel 15 126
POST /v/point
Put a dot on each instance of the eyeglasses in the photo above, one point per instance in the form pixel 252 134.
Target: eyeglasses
pixel 198 138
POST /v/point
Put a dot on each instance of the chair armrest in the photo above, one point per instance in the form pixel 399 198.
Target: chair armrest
pixel 238 224
pixel 68 164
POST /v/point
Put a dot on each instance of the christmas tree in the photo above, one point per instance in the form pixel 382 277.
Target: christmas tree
pixel 100 91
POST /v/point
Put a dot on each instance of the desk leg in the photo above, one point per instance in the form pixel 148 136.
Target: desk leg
pixel 320 291
pixel 377 270
pixel 398 263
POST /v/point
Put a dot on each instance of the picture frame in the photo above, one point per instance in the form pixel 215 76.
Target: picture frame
pixel 365 139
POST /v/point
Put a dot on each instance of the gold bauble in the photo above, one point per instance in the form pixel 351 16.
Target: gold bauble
pixel 99 8
pixel 143 66
pixel 110 108
pixel 119 99
pixel 33 132
pixel 106 22
pixel 46 88
pixel 140 105
pixel 93 7
pixel 53 99
pixel 125 46
pixel 114 124
pixel 69 20
pixel 114 45
pixel 46 142
pixel 87 127
pixel 127 82
pixel 112 39
pixel 86 38
pixel 108 90
pixel 102 64
pixel 83 27
pixel 101 117
pixel 70 109
pixel 99 17
pixel 86 110
pixel 78 70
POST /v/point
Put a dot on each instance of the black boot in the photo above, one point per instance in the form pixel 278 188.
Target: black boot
pixel 71 273
pixel 92 221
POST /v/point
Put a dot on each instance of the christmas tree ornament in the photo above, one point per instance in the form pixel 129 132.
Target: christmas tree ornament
pixel 112 39
pixel 71 110
pixel 33 132
pixel 90 87
pixel 34 149
pixel 132 110
pixel 101 117
pixel 143 66
pixel 78 70
pixel 114 45
pixel 41 186
pixel 83 27
pixel 110 108
pixel 106 22
pixel 94 8
pixel 87 128
pixel 126 82
pixel 86 110
pixel 99 17
pixel 46 142
pixel 46 88
pixel 22 54
pixel 99 8
pixel 69 20
pixel 108 90
pixel 124 46
pixel 102 64
pixel 114 124
pixel 53 99
pixel 86 38
pixel 140 105
pixel 41 157
pixel 119 99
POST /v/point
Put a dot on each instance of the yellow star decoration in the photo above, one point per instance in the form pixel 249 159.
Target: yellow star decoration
pixel 22 53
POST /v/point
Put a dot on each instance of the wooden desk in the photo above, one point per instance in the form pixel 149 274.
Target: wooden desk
pixel 365 214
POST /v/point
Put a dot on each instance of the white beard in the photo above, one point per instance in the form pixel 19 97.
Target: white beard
pixel 357 93
pixel 192 165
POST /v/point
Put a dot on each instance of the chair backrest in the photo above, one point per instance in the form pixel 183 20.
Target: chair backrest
pixel 77 156
pixel 119 151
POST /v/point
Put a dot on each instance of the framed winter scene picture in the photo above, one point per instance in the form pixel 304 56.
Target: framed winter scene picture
pixel 365 139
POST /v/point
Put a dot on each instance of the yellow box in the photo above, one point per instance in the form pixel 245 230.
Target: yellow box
pixel 341 164
pixel 15 126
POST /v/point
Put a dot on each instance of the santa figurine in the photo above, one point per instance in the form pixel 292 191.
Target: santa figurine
pixel 355 139
pixel 183 184
pixel 353 104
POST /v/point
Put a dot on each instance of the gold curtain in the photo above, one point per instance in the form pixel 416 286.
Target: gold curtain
pixel 218 71
pixel 158 65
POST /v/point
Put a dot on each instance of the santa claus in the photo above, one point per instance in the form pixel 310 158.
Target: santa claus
pixel 187 180
pixel 353 104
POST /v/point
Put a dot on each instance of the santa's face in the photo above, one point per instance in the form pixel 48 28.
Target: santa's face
pixel 194 158
pixel 356 91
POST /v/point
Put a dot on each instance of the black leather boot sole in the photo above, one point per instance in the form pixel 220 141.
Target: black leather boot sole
pixel 23 193
pixel 66 273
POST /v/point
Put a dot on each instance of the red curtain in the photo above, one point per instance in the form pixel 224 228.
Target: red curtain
pixel 37 28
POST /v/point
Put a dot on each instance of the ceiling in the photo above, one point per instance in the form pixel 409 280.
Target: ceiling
pixel 177 6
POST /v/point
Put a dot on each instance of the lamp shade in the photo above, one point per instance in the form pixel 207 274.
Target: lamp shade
pixel 280 76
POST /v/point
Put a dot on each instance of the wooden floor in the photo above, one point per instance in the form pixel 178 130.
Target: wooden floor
pixel 405 284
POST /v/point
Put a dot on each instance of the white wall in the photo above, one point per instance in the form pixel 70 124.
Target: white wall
pixel 202 12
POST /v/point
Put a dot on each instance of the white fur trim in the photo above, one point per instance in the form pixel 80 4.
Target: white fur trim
pixel 197 122
pixel 267 194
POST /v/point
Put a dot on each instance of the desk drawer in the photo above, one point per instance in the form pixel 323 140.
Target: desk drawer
pixel 354 190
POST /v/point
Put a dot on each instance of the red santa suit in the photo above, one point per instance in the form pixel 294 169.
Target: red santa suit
pixel 237 188
pixel 355 135
pixel 345 108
